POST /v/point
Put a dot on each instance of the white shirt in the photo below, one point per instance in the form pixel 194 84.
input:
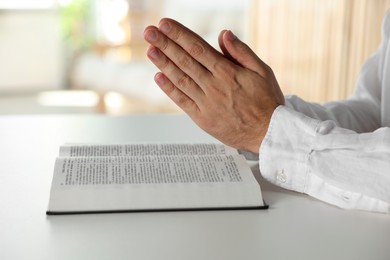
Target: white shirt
pixel 338 152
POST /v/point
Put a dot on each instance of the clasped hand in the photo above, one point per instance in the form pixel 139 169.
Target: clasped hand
pixel 231 95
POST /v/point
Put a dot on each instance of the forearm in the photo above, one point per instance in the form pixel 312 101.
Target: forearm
pixel 361 111
pixel 355 114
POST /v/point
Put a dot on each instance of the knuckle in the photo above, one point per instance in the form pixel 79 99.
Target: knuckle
pixel 164 64
pixel 169 89
pixel 164 44
pixel 225 71
pixel 185 62
pixel 183 82
pixel 182 100
pixel 175 94
pixel 196 50
pixel 176 34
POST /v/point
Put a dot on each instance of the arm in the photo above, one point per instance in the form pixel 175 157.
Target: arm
pixel 233 96
pixel 328 158
pixel 333 164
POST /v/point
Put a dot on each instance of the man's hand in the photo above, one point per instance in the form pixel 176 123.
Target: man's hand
pixel 231 96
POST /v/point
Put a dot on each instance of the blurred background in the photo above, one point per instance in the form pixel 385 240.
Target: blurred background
pixel 88 56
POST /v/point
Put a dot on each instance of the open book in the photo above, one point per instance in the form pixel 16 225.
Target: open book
pixel 151 177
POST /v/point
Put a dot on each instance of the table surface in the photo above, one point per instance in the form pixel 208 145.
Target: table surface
pixel 294 227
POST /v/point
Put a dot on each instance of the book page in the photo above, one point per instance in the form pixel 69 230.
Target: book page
pixel 88 171
pixel 152 182
pixel 92 150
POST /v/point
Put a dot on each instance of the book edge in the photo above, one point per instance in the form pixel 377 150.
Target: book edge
pixel 261 207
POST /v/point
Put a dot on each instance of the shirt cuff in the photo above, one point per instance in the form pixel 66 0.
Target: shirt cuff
pixel 285 149
pixel 284 160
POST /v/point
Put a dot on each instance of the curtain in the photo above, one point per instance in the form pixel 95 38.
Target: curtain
pixel 316 47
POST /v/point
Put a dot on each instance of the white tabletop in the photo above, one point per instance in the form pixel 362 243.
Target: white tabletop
pixel 295 227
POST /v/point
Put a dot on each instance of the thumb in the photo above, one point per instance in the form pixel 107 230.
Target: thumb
pixel 223 47
pixel 240 53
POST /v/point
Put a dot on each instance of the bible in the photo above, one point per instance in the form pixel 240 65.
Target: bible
pixel 97 178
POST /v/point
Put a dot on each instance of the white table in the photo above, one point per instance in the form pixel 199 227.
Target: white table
pixel 295 227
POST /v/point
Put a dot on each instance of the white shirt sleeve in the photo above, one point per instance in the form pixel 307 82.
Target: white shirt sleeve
pixel 333 164
pixel 362 111
pixel 338 152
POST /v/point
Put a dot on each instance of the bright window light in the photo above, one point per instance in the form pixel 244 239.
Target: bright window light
pixel 80 98
pixel 27 4
pixel 114 100
pixel 64 2
pixel 112 12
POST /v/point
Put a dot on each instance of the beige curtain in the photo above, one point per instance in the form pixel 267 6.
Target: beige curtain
pixel 316 47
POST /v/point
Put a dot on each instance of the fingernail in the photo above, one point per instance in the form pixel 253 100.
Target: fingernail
pixel 151 35
pixel 165 27
pixel 160 79
pixel 231 36
pixel 153 53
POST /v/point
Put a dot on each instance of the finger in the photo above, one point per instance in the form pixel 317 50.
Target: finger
pixel 193 44
pixel 178 56
pixel 223 47
pixel 176 95
pixel 178 78
pixel 242 54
